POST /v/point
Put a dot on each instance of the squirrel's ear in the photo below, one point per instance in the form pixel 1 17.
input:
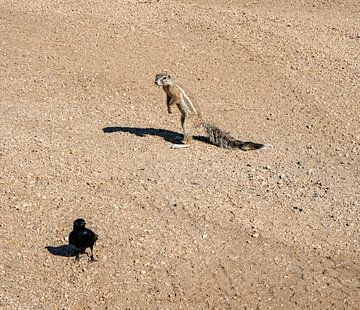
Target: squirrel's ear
pixel 169 76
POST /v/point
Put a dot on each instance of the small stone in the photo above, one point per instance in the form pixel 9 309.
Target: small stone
pixel 298 208
pixel 255 235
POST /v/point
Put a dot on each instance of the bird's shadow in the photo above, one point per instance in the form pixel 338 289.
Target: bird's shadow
pixel 167 135
pixel 66 250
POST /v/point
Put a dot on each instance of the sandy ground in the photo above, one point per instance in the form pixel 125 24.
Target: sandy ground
pixel 85 133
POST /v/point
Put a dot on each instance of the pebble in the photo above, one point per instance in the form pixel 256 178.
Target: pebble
pixel 255 235
pixel 298 209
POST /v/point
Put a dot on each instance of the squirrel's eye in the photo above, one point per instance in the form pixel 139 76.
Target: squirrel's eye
pixel 164 78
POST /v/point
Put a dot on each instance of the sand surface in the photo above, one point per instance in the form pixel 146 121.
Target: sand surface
pixel 85 133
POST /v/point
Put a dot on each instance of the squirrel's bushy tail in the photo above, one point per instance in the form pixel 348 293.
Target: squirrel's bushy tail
pixel 224 140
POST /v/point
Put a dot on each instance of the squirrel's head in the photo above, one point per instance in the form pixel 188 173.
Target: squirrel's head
pixel 163 79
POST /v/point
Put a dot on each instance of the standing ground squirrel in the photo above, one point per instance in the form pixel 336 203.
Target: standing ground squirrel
pixel 191 118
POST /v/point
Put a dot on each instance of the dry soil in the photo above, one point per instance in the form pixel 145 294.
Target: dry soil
pixel 85 133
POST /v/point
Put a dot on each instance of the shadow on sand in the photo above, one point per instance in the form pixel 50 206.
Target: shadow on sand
pixel 66 250
pixel 167 135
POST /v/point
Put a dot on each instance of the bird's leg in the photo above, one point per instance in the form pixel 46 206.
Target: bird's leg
pixel 77 258
pixel 80 251
pixel 92 259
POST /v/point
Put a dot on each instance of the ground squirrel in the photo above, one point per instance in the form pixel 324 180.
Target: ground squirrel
pixel 191 118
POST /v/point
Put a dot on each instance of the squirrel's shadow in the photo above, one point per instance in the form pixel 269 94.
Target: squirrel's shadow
pixel 63 250
pixel 167 135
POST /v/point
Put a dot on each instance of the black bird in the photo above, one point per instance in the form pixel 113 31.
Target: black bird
pixel 82 238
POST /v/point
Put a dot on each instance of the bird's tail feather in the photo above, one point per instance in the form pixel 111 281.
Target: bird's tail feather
pixel 224 140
